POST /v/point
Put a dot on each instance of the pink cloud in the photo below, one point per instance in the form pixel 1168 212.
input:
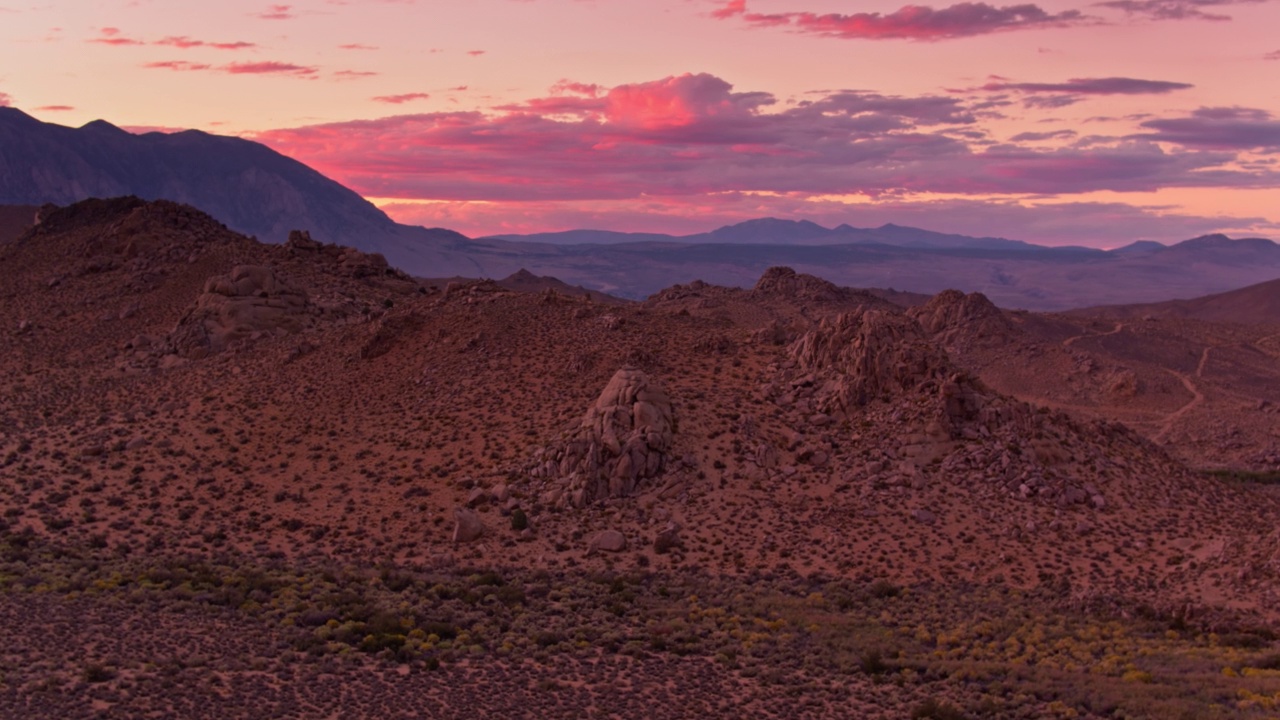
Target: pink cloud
pixel 401 99
pixel 184 42
pixel 476 53
pixel 693 135
pixel 112 36
pixel 730 9
pixel 6 100
pixel 181 65
pixel 277 12
pixel 55 108
pixel 353 74
pixel 269 68
pixel 357 46
pixel 1272 55
pixel 911 22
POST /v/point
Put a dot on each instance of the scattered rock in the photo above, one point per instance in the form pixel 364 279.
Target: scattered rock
pixel 468 527
pixel 610 541
pixel 668 538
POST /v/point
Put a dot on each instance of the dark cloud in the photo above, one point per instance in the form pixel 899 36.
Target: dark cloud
pixel 1176 9
pixel 1218 128
pixel 911 22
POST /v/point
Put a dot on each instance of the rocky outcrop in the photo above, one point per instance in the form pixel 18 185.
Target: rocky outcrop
pixel 783 282
pixel 955 319
pixel 352 261
pixel 861 356
pixel 249 301
pixel 622 441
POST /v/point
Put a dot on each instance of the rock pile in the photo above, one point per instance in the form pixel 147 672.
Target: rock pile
pixel 623 440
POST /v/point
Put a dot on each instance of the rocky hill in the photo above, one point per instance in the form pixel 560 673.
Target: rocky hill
pixel 350 472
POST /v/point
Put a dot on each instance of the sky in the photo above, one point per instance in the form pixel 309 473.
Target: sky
pixel 1061 122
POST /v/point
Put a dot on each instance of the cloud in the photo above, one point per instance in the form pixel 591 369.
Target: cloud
pixel 1175 9
pixel 692 135
pixel 1092 86
pixel 6 100
pixel 731 9
pixel 1272 55
pixel 401 99
pixel 911 22
pixel 565 87
pixel 269 68
pixel 55 108
pixel 180 65
pixel 354 74
pixel 239 68
pixel 112 36
pixel 183 42
pixel 277 12
pixel 1218 128
pixel 357 46
pixel 1042 136
pixel 476 53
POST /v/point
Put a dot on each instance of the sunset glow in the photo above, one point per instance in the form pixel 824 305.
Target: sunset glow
pixel 1057 122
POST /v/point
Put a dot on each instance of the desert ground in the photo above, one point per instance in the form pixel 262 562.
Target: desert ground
pixel 248 480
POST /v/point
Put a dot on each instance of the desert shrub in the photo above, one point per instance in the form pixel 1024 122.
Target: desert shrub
pixel 519 521
pixel 98 673
pixel 883 589
pixel 872 662
pixel 934 709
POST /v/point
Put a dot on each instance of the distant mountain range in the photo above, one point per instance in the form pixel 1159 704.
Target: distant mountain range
pixel 773 231
pixel 260 192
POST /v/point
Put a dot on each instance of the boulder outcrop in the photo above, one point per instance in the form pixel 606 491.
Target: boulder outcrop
pixel 955 319
pixel 250 300
pixel 623 440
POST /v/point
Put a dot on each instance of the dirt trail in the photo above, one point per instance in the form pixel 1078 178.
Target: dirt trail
pixel 1071 340
pixel 1197 397
pixel 1261 344
pixel 1204 360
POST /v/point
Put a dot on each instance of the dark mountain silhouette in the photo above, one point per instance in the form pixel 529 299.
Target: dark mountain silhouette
pixel 247 185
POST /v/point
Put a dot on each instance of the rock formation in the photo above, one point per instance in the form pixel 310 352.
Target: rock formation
pixel 954 318
pixel 250 300
pixel 623 440
pixel 861 356
pixel 783 282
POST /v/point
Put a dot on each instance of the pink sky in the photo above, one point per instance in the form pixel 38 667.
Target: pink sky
pixel 1093 123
